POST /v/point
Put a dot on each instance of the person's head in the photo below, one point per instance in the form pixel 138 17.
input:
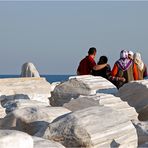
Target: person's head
pixel 130 55
pixel 92 51
pixel 124 54
pixel 103 60
pixel 138 60
pixel 137 57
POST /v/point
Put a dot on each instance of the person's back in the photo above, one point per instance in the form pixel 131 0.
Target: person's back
pixel 124 67
pixel 86 65
pixel 140 66
pixel 104 72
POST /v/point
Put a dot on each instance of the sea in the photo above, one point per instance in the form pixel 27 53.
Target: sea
pixel 49 78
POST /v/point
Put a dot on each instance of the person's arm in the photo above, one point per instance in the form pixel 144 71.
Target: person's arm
pixel 98 67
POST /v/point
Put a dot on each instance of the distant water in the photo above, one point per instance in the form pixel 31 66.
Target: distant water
pixel 49 78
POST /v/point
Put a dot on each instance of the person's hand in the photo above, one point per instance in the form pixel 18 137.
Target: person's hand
pixel 122 79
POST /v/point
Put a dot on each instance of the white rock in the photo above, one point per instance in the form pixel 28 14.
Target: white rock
pixel 2 112
pixel 80 85
pixel 136 94
pixel 29 70
pixel 43 143
pixel 15 139
pixel 93 127
pixel 32 120
pixel 142 131
pixel 24 88
pixel 99 99
pixel 54 84
pixel 22 103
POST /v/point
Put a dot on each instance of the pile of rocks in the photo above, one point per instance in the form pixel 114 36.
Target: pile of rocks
pixel 84 111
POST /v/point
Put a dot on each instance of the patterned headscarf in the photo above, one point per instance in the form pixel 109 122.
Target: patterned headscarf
pixel 124 62
pixel 138 60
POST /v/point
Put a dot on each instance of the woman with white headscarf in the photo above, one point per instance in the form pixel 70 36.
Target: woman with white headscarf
pixel 124 68
pixel 141 67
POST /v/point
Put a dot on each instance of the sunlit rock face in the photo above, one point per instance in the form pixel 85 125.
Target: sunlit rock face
pixel 24 88
pixel 15 139
pixel 29 70
pixel 93 127
pixel 32 120
pixel 136 94
pixel 101 99
pixel 80 85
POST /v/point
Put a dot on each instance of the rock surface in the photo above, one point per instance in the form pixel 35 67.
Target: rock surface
pixel 43 143
pixel 22 103
pixel 15 139
pixel 29 70
pixel 100 99
pixel 32 120
pixel 142 131
pixel 24 88
pixel 93 127
pixel 80 85
pixel 136 94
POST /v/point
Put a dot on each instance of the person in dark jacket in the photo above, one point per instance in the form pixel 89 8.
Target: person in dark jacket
pixel 105 72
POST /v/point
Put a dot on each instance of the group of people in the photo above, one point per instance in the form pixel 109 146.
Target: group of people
pixel 129 67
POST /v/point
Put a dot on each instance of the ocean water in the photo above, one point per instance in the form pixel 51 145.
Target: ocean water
pixel 49 78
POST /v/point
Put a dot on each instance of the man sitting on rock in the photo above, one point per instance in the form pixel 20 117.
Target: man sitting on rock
pixel 88 64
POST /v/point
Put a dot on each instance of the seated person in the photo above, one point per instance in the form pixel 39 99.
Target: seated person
pixel 104 72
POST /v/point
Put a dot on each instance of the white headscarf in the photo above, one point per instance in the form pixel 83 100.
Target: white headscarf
pixel 131 54
pixel 138 60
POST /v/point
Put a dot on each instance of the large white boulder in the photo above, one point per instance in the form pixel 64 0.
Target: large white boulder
pixel 100 99
pixel 44 143
pixel 32 120
pixel 29 70
pixel 15 139
pixel 136 94
pixel 80 85
pixel 24 88
pixel 93 127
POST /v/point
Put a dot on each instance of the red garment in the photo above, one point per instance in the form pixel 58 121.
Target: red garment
pixel 86 65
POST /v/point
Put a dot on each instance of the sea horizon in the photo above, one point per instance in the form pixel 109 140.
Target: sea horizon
pixel 49 77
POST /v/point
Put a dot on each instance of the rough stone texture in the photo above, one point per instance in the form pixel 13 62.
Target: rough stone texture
pixel 136 94
pixel 24 88
pixel 93 127
pixel 29 70
pixel 54 84
pixel 80 85
pixel 2 112
pixel 32 120
pixel 99 99
pixel 43 143
pixel 142 131
pixel 15 139
pixel 22 103
pixel 145 145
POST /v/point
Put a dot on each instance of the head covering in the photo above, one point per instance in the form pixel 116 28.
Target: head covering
pixel 124 62
pixel 131 54
pixel 138 60
pixel 124 54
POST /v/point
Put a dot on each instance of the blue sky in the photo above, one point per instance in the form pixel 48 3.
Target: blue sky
pixel 55 36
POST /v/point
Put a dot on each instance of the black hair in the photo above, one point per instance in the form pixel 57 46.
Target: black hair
pixel 92 50
pixel 103 60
